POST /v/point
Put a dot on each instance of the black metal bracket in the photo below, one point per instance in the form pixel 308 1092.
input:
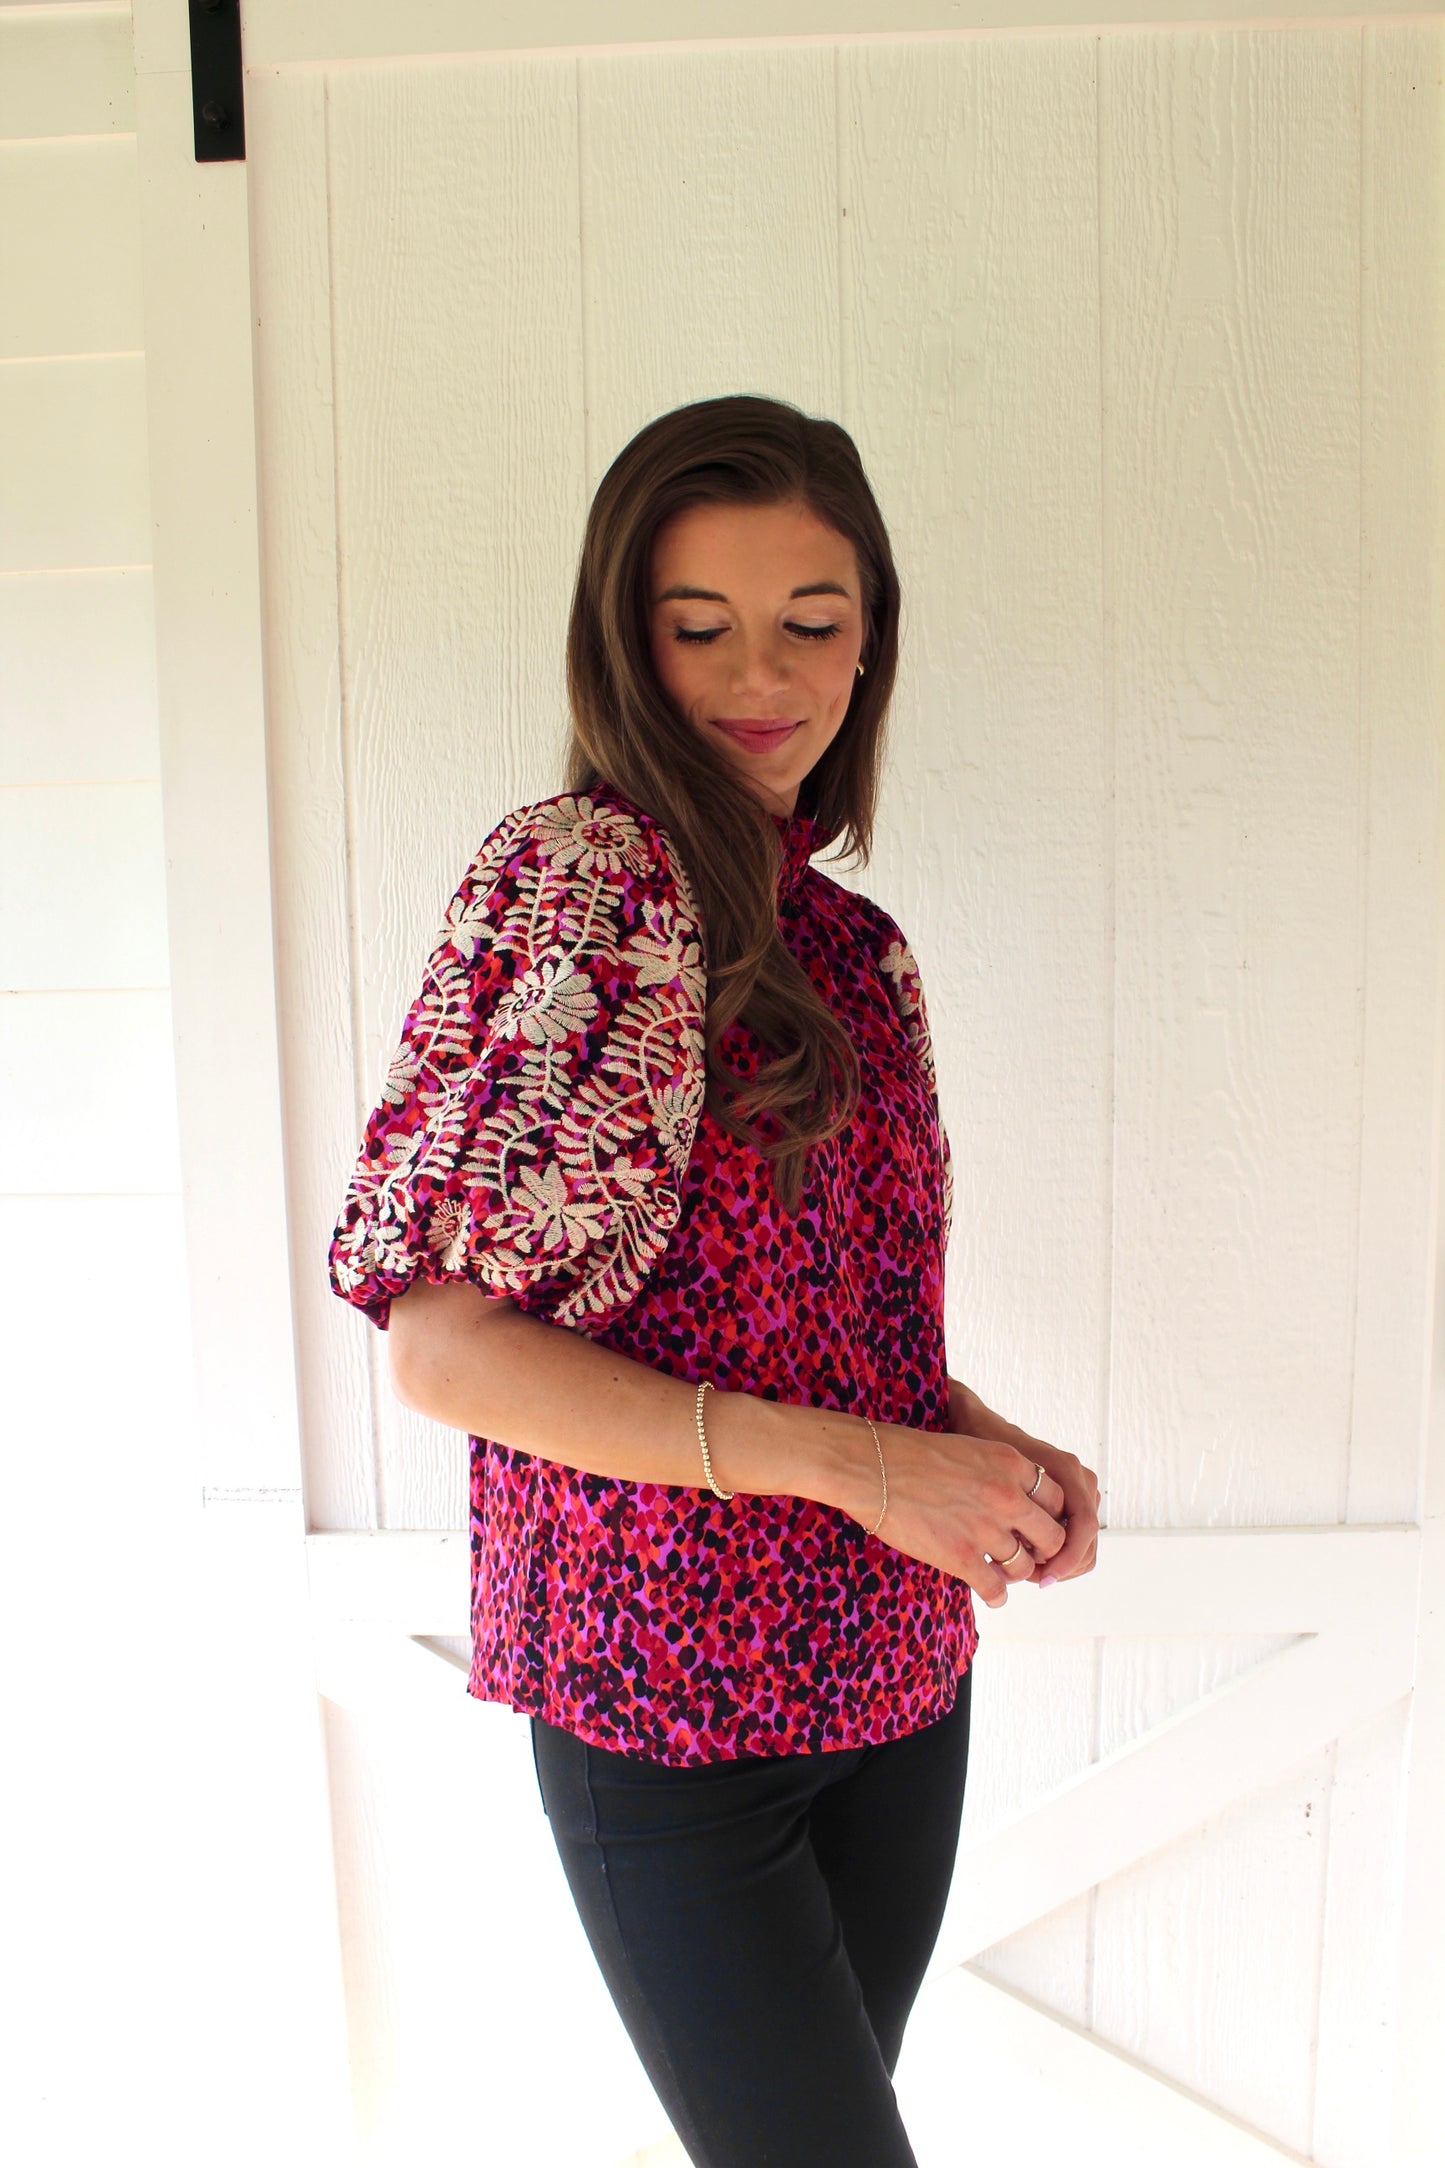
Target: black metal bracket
pixel 218 112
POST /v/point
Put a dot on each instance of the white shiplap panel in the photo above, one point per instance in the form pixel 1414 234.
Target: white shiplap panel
pixel 456 316
pixel 87 1081
pixel 78 691
pixel 74 488
pixel 970 257
pixel 61 1454
pixel 1230 194
pixel 296 509
pixel 66 72
pixel 82 886
pixel 70 204
pixel 710 234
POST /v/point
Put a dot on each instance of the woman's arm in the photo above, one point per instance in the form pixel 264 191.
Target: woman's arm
pixel 972 1417
pixel 480 1364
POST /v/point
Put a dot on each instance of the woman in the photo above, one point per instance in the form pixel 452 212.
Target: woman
pixel 655 1207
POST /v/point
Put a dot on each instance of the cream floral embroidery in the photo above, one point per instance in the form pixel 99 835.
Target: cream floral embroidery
pixel 906 986
pixel 542 1131
pixel 400 1079
pixel 905 983
pixel 550 1002
pixel 571 833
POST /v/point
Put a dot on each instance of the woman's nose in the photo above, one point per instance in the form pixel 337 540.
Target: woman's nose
pixel 760 662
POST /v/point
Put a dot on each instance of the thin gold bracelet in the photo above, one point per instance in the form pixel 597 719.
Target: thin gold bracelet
pixel 702 1441
pixel 883 1468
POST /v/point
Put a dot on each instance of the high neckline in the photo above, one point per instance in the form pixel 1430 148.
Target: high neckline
pixel 799 838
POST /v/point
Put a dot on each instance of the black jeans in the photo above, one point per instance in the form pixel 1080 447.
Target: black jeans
pixel 763 1926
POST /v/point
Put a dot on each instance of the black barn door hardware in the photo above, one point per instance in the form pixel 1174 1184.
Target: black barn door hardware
pixel 218 115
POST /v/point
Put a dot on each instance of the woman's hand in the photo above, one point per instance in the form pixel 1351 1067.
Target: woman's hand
pixel 1079 1485
pixel 963 1504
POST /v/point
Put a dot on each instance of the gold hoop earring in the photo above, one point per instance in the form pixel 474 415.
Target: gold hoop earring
pixel 860 669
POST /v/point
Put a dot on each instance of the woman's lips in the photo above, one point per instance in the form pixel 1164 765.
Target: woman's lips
pixel 759 737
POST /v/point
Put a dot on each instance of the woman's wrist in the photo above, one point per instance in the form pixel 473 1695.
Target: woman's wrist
pixel 829 1455
pixel 982 1421
pixel 774 1448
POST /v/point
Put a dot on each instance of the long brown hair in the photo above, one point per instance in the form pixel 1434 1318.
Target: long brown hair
pixel 627 731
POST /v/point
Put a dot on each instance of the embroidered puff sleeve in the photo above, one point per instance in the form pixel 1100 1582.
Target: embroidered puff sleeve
pixel 539 1112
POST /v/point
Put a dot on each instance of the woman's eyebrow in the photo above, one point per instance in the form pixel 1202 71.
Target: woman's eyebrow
pixel 710 594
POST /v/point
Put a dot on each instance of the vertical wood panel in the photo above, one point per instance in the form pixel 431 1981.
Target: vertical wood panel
pixel 296 509
pixel 709 231
pixel 1230 221
pixel 1230 187
pixel 970 253
pixel 198 515
pixel 456 318
pixel 1402 680
pixel 1402 459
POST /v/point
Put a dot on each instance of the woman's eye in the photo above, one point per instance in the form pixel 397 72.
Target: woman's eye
pixel 808 632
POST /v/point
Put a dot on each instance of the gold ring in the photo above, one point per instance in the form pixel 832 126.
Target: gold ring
pixel 1002 1562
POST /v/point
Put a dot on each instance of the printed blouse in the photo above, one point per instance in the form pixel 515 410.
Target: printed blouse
pixel 541 1133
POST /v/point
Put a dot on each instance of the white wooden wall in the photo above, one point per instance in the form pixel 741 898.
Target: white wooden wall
pixel 154 1862
pixel 1140 336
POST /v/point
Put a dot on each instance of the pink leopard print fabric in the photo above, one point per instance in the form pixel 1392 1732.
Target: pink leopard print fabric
pixel 541 1132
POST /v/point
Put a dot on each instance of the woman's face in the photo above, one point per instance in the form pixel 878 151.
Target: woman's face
pixel 757 628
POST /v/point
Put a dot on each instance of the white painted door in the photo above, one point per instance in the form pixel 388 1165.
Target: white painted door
pixel 1138 335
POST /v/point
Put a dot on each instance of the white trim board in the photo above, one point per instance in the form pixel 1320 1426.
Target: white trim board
pixel 1201 1581
pixel 335 33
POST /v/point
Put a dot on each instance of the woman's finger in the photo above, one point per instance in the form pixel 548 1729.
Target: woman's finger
pixel 1013 1557
pixel 1040 1488
pixel 988 1581
pixel 1077 1554
pixel 1043 1533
